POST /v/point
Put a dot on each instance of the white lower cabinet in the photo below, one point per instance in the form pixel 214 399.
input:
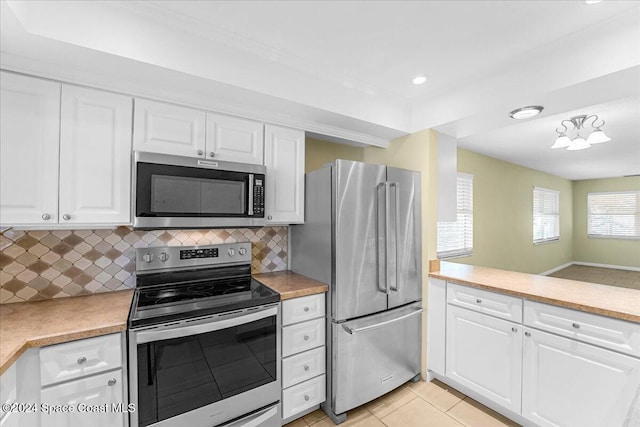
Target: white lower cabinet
pixel 485 354
pixel 568 383
pixel 303 355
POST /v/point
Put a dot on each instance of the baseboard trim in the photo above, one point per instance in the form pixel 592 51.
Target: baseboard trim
pixel 590 264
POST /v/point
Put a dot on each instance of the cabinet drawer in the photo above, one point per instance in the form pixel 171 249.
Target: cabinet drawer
pixel 303 366
pixel 491 303
pixel 8 387
pixel 302 336
pixel 76 359
pixel 304 308
pixel 303 396
pixel 613 334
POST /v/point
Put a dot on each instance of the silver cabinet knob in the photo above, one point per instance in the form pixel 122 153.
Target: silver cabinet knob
pixel 575 325
pixel 200 152
pixel 82 360
pixel 46 217
pixel 527 334
pixel 306 309
pixel 269 217
pixel 514 329
pixel 306 337
pixel 212 154
pixel 478 300
pixel 66 217
pixel 306 397
pixel 111 382
pixel 306 367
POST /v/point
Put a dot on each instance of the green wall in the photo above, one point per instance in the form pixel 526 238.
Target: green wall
pixel 621 252
pixel 503 216
pixel 318 153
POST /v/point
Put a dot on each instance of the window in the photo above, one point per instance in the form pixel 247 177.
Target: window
pixel 615 214
pixel 546 215
pixel 455 239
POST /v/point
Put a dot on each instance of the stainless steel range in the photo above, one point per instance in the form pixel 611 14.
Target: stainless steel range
pixel 204 339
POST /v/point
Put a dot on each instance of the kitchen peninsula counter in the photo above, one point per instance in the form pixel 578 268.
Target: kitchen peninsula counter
pixel 41 323
pixel 291 285
pixel 610 301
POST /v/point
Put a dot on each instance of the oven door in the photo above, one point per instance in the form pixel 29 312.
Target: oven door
pixel 175 192
pixel 205 371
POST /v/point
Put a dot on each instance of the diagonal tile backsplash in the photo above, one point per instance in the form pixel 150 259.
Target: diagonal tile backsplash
pixel 42 264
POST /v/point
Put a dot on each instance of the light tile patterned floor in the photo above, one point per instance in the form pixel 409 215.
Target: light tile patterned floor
pixel 420 404
pixel 603 276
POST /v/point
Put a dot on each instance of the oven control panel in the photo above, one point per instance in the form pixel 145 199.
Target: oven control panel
pixel 171 257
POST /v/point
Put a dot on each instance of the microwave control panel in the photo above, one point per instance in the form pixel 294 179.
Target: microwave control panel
pixel 258 197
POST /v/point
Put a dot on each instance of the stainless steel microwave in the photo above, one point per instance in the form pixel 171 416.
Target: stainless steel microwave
pixel 185 192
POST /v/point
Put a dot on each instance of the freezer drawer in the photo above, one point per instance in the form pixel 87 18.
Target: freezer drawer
pixel 373 355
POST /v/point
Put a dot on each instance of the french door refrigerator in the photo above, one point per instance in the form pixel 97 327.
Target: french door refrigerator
pixel 361 236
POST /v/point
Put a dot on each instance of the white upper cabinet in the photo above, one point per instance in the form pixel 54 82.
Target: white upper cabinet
pixel 169 129
pixel 30 111
pixel 95 157
pixel 234 139
pixel 285 160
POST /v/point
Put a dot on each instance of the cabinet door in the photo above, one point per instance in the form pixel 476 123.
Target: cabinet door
pixel 568 383
pixel 29 146
pixel 485 354
pixel 168 129
pixel 284 159
pixel 95 392
pixel 233 139
pixel 95 157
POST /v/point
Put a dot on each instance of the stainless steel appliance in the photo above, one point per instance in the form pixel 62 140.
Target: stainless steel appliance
pixel 185 192
pixel 361 236
pixel 203 339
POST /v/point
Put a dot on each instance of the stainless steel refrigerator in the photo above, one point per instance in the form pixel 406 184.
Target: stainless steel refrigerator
pixel 361 236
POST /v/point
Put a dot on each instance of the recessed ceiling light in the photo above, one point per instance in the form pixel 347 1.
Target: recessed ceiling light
pixel 526 112
pixel 418 80
pixel 592 1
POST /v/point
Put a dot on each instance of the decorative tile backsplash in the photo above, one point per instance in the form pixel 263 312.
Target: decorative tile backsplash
pixel 41 264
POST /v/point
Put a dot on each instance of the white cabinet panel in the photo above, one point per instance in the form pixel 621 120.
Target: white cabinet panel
pixel 567 383
pixel 29 136
pixel 62 362
pixel 491 303
pixel 303 396
pixel 169 129
pixel 302 336
pixel 94 391
pixel 303 308
pixel 284 159
pixel 437 309
pixel 303 366
pixel 610 333
pixel 485 354
pixel 95 157
pixel 234 139
pixel 8 387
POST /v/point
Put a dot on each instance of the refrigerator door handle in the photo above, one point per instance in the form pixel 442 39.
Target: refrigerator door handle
pixel 396 186
pixel 380 264
pixel 377 325
pixel 387 240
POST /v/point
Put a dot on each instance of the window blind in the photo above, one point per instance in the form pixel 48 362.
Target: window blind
pixel 614 214
pixel 546 215
pixel 455 238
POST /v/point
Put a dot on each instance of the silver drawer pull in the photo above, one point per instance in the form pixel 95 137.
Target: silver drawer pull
pixel 306 337
pixel 82 360
pixel 212 154
pixel 306 367
pixel 200 152
pixel 46 217
pixel 306 397
pixel 66 217
pixel 111 382
pixel 575 325
pixel 527 334
pixel 478 300
pixel 514 329
pixel 306 309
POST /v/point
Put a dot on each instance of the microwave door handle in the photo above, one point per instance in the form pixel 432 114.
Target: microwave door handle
pixel 177 331
pixel 250 189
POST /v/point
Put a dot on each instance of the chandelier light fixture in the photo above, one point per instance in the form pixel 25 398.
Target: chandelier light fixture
pixel 577 125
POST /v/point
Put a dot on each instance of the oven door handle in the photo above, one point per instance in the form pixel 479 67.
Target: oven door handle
pixel 184 329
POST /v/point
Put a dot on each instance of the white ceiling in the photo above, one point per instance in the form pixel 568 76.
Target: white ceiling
pixel 346 67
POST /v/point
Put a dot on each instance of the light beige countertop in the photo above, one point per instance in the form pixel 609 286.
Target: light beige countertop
pixel 41 323
pixel 291 285
pixel 611 301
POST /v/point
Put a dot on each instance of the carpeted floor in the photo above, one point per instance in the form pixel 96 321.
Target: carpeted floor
pixel 604 276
